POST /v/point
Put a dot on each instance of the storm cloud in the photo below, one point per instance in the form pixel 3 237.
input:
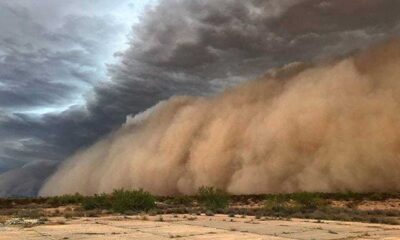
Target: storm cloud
pixel 54 58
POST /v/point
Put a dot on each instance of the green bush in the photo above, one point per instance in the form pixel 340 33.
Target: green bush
pixel 135 200
pixel 98 201
pixel 212 198
pixel 276 203
pixel 181 200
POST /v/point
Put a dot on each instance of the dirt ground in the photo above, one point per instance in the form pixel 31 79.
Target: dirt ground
pixel 195 227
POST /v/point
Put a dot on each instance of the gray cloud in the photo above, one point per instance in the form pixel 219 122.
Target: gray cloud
pixel 178 47
pixel 51 54
pixel 43 67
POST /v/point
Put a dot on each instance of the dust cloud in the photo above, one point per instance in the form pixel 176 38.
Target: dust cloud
pixel 327 127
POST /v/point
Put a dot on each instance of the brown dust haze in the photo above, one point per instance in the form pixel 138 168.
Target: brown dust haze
pixel 329 127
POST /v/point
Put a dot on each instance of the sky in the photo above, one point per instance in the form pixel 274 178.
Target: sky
pixel 73 71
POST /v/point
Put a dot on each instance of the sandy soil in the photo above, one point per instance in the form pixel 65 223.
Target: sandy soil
pixel 196 227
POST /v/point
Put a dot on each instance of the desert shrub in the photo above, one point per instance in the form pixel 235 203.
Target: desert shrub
pixel 89 203
pixel 308 200
pixel 293 204
pixel 153 212
pixel 181 200
pixel 8 212
pixel 68 209
pixel 65 199
pixel 209 213
pixel 276 203
pixel 77 209
pixel 392 213
pixel 135 200
pixel 353 203
pixel 345 196
pixel 374 220
pixel 212 198
pixel 30 213
pixel 92 213
pixel 375 212
pixel 5 203
pixel 353 196
pixel 390 221
pixel 68 215
pixel 381 196
pixel 281 206
pixel 278 197
pixel 98 201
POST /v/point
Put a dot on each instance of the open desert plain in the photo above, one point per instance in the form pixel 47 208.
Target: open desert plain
pixel 215 216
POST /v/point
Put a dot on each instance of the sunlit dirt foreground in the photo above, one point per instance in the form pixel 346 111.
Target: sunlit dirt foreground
pixel 196 227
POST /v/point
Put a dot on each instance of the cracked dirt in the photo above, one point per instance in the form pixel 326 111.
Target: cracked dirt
pixel 197 227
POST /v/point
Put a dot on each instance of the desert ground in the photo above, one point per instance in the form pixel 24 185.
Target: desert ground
pixel 197 227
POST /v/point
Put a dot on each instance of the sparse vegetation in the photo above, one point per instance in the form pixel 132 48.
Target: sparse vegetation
pixel 30 213
pixel 65 200
pixel 209 200
pixel 181 200
pixel 295 203
pixel 135 200
pixel 121 201
pixel 212 198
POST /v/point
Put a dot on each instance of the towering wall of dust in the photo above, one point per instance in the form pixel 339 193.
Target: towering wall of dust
pixel 332 127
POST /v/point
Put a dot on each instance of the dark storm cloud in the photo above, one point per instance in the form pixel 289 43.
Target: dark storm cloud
pixel 42 66
pixel 324 16
pixel 218 39
pixel 203 46
pixel 179 47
